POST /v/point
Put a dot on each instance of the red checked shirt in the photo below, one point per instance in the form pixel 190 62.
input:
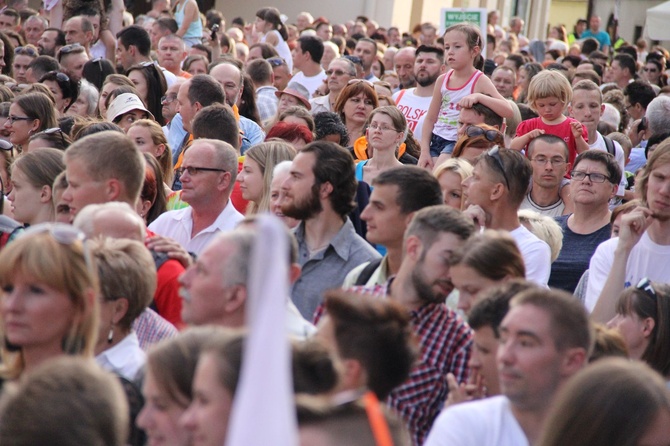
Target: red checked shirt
pixel 445 340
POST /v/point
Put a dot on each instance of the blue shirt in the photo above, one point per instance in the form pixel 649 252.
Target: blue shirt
pixel 601 36
pixel 253 133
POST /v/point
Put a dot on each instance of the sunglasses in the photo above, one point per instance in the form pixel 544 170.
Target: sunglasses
pixel 490 135
pixel 646 286
pixel 63 233
pixel 7 146
pixel 25 51
pixel 276 61
pixel 354 59
pixel 67 49
pixel 56 130
pixel 60 77
pixel 495 154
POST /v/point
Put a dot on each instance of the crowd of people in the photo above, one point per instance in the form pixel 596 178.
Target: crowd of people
pixel 316 233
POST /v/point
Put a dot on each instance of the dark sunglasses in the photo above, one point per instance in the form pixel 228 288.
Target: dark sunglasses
pixel 491 135
pixel 67 49
pixel 25 51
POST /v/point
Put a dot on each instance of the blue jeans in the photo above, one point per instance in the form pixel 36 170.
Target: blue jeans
pixel 439 145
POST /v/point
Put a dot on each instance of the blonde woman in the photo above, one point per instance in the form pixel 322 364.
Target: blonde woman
pixel 49 303
pixel 451 174
pixel 256 175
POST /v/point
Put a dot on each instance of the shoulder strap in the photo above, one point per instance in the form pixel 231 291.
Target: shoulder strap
pixel 400 95
pixel 367 272
pixel 610 146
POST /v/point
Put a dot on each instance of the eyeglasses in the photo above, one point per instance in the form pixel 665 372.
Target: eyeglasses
pixel 381 128
pixel 646 286
pixel 25 51
pixel 542 160
pixel 12 119
pixel 358 81
pixel 168 99
pixel 495 154
pixel 192 170
pixel 593 176
pixel 276 61
pixel 338 73
pixel 491 135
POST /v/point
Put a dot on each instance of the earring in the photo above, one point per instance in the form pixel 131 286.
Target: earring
pixel 110 336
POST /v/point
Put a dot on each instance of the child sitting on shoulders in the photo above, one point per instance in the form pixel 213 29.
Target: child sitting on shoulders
pixel 549 94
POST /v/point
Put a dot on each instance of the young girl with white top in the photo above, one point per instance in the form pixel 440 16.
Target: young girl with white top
pixel 462 86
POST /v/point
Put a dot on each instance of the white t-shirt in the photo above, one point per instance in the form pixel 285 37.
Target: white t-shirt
pixel 647 259
pixel 414 108
pixel 553 210
pixel 599 144
pixel 311 83
pixel 536 255
pixel 487 422
pixel 178 225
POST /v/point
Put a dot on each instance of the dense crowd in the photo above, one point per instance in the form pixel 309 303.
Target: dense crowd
pixel 287 232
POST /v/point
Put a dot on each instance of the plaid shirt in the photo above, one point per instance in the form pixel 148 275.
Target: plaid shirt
pixel 445 341
pixel 151 328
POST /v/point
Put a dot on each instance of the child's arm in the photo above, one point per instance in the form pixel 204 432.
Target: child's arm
pixel 425 159
pixel 519 142
pixel 578 133
pixel 485 93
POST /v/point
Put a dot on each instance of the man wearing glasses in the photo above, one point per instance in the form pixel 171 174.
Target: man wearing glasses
pixel 493 195
pixel 548 156
pixel 208 174
pixel 595 180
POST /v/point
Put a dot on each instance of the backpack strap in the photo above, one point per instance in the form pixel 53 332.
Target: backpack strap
pixel 367 272
pixel 610 146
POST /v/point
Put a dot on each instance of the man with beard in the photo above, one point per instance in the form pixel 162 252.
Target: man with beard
pixel 414 102
pixel 421 286
pixel 51 41
pixel 642 249
pixel 320 192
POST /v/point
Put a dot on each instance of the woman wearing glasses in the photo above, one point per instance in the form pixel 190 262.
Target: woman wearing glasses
pixel 64 89
pixel 385 134
pixel 29 114
pixel 654 72
pixel 49 298
pixel 643 319
pixel 33 174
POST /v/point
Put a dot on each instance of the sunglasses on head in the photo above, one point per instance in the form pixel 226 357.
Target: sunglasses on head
pixel 25 51
pixel 276 61
pixel 491 135
pixel 495 154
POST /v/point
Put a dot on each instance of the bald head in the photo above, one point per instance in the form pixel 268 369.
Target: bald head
pixel 403 61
